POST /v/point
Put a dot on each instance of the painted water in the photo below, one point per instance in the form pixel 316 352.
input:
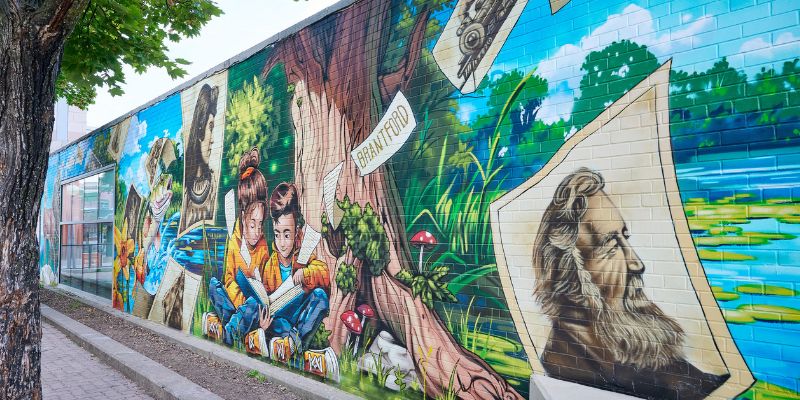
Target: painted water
pixel 752 254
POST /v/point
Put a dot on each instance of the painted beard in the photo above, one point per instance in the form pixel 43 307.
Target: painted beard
pixel 640 334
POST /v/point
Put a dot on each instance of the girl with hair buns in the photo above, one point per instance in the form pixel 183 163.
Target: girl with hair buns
pixel 234 314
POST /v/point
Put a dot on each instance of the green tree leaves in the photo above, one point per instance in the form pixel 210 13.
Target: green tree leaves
pixel 364 235
pixel 346 278
pixel 112 33
pixel 250 121
pixel 428 285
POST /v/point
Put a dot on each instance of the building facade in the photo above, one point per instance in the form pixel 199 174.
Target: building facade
pixel 467 199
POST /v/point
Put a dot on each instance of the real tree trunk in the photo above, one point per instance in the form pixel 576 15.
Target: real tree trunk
pixel 32 36
pixel 339 96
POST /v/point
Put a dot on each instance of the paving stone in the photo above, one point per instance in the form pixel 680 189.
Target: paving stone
pixel 70 372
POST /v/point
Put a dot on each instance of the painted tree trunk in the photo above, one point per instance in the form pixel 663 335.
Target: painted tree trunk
pixel 31 44
pixel 339 95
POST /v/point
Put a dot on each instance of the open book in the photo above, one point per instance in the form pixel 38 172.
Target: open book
pixel 179 307
pixel 254 288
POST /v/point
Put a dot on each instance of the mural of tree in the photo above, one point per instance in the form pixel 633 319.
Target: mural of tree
pixel 609 73
pixel 340 94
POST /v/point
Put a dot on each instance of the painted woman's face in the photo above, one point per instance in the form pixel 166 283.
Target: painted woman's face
pixel 253 225
pixel 208 142
pixel 285 231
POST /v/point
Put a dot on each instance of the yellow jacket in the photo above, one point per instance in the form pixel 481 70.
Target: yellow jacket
pixel 234 262
pixel 315 273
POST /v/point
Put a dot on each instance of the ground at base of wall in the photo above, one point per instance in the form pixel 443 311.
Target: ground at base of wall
pixel 222 379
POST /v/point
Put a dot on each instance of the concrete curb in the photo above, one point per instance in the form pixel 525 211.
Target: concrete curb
pixel 156 379
pixel 301 385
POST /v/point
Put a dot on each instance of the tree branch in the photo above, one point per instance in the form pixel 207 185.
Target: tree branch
pixel 391 82
pixel 59 18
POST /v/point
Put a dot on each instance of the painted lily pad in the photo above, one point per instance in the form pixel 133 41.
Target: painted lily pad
pixel 714 241
pixel 703 215
pixel 769 235
pixel 764 289
pixel 792 219
pixel 714 255
pixel 737 317
pixel 721 295
pixel 771 313
pixel 722 230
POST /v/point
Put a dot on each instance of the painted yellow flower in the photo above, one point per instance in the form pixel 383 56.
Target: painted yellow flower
pixel 124 246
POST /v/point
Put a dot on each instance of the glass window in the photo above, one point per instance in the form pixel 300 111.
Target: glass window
pixel 106 233
pixel 90 198
pixel 106 189
pixel 89 234
pixel 77 201
pixel 66 201
pixel 87 244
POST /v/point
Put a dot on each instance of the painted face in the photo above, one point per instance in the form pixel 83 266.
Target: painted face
pixel 208 142
pixel 253 225
pixel 285 231
pixel 607 254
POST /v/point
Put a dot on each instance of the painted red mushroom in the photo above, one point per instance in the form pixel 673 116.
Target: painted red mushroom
pixel 425 241
pixel 366 313
pixel 353 325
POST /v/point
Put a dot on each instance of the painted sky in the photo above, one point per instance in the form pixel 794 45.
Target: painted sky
pixel 161 120
pixel 695 33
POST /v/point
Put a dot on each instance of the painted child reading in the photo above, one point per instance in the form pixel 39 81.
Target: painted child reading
pixel 238 310
pixel 236 314
pixel 297 320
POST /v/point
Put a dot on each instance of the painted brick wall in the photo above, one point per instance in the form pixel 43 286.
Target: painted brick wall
pixel 445 198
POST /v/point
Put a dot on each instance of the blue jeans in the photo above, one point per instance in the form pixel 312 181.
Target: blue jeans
pixel 297 319
pixel 236 321
pixel 301 316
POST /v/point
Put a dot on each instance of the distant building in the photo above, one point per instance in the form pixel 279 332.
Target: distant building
pixel 69 125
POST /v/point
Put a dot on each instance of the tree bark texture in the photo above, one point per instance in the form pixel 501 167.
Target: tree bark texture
pixel 340 93
pixel 32 36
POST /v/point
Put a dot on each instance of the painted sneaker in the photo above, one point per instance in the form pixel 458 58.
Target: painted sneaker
pixel 255 342
pixel 212 326
pixel 323 363
pixel 281 349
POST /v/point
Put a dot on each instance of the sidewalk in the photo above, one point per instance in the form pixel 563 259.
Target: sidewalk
pixel 70 372
pixel 218 370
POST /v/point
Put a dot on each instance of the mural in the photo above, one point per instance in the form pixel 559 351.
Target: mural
pixel 440 199
pixel 603 222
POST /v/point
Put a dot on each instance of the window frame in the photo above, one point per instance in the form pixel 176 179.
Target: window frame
pixel 97 222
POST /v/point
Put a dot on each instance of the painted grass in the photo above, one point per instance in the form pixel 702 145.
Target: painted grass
pixel 766 391
pixel 498 351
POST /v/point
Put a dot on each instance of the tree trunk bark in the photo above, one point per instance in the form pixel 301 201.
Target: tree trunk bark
pixel 31 43
pixel 339 97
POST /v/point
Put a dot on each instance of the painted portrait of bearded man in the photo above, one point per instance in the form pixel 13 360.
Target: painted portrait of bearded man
pixel 605 332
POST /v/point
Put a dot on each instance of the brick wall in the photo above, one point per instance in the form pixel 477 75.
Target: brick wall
pixel 466 194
